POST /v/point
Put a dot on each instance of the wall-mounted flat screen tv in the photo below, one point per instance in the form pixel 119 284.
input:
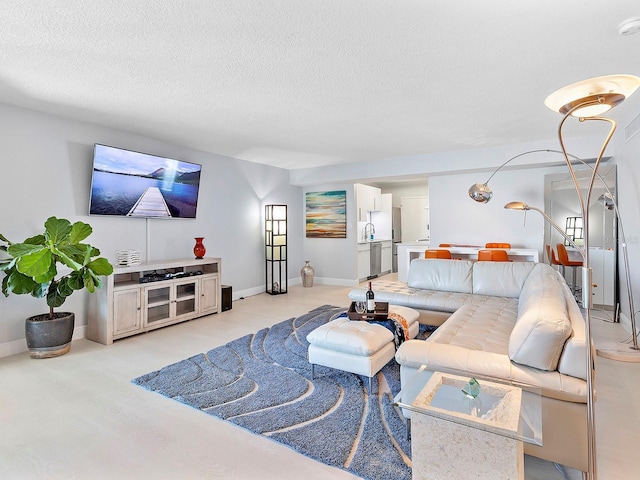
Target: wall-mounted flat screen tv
pixel 134 184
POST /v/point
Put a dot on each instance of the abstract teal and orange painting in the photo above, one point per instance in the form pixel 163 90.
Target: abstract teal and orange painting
pixel 327 214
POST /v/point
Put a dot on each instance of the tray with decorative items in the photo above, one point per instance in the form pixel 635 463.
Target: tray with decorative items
pixel 358 311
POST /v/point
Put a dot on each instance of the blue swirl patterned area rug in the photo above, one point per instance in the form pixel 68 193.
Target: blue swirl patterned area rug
pixel 262 382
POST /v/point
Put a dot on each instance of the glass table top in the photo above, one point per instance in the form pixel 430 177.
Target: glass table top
pixel 493 405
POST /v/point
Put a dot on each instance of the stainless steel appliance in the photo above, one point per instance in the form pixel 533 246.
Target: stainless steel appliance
pixel 396 236
pixel 375 259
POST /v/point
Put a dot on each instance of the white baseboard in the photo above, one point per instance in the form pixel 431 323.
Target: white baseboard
pixel 20 346
pixel 338 282
pixel 13 348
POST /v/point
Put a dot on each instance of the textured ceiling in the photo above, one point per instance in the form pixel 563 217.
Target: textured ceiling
pixel 297 83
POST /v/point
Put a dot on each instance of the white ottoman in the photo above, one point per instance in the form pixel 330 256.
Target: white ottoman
pixel 358 347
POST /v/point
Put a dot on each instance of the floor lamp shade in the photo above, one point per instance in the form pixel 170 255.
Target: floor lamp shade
pixel 275 246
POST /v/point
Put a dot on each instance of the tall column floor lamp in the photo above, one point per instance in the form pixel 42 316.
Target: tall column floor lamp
pixel 275 249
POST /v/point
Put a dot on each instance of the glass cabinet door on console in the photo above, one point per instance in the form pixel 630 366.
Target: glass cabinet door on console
pixel 158 304
pixel 172 301
pixel 186 298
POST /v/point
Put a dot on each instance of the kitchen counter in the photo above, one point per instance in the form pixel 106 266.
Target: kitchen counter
pixel 362 242
pixel 409 251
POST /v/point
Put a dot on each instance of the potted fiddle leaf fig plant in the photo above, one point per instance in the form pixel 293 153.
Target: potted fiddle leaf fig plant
pixel 32 268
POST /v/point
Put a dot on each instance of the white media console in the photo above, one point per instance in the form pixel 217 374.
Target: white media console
pixel 151 295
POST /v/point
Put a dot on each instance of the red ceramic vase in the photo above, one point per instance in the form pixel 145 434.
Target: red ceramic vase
pixel 199 249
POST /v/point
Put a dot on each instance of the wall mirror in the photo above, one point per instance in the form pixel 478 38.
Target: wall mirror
pixel 563 206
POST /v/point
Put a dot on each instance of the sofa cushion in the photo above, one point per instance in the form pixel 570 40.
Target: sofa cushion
pixel 500 279
pixel 441 275
pixel 479 327
pixel 542 326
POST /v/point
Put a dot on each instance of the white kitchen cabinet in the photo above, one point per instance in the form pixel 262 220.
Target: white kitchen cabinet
pixel 364 261
pixel 368 199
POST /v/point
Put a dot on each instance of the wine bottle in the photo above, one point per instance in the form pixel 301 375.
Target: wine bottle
pixel 371 304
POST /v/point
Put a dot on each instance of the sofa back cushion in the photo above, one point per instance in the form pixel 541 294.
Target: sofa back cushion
pixel 543 325
pixel 441 275
pixel 500 279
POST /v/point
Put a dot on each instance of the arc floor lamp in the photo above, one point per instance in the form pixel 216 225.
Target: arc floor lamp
pixel 482 193
pixel 587 100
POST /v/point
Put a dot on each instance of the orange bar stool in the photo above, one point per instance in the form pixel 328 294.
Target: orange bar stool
pixel 498 245
pixel 563 258
pixel 551 256
pixel 443 254
pixel 493 256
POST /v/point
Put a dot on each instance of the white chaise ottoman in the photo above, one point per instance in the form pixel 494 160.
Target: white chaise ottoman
pixel 358 347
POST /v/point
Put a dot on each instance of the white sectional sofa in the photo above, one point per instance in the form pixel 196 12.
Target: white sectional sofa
pixel 516 321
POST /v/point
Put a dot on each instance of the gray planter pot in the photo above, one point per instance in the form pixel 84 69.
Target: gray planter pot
pixel 49 338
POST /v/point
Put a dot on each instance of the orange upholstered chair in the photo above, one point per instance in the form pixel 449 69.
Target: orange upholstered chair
pixel 563 258
pixel 493 256
pixel 497 245
pixel 443 254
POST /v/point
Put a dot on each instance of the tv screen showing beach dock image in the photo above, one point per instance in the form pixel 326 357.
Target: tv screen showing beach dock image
pixel 134 184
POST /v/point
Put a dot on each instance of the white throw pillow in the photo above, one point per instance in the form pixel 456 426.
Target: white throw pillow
pixel 543 326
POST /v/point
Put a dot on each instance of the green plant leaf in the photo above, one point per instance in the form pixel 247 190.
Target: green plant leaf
pixel 5 285
pixel 75 280
pixel 89 283
pixel 36 240
pixel 71 255
pixel 18 250
pixel 57 230
pixel 35 264
pixel 65 287
pixel 40 290
pixel 19 283
pixel 101 266
pixel 48 275
pixel 79 231
pixel 96 279
pixel 55 298
pixel 7 264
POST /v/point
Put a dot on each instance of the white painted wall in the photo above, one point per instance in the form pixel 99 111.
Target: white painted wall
pixel 455 218
pixel 411 189
pixel 46 170
pixel 333 259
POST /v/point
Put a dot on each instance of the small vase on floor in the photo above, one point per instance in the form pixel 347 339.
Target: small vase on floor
pixel 199 249
pixel 307 274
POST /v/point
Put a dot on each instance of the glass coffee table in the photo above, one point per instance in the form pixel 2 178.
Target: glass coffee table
pixel 463 426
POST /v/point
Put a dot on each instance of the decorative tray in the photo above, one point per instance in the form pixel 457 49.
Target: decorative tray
pixel 381 312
